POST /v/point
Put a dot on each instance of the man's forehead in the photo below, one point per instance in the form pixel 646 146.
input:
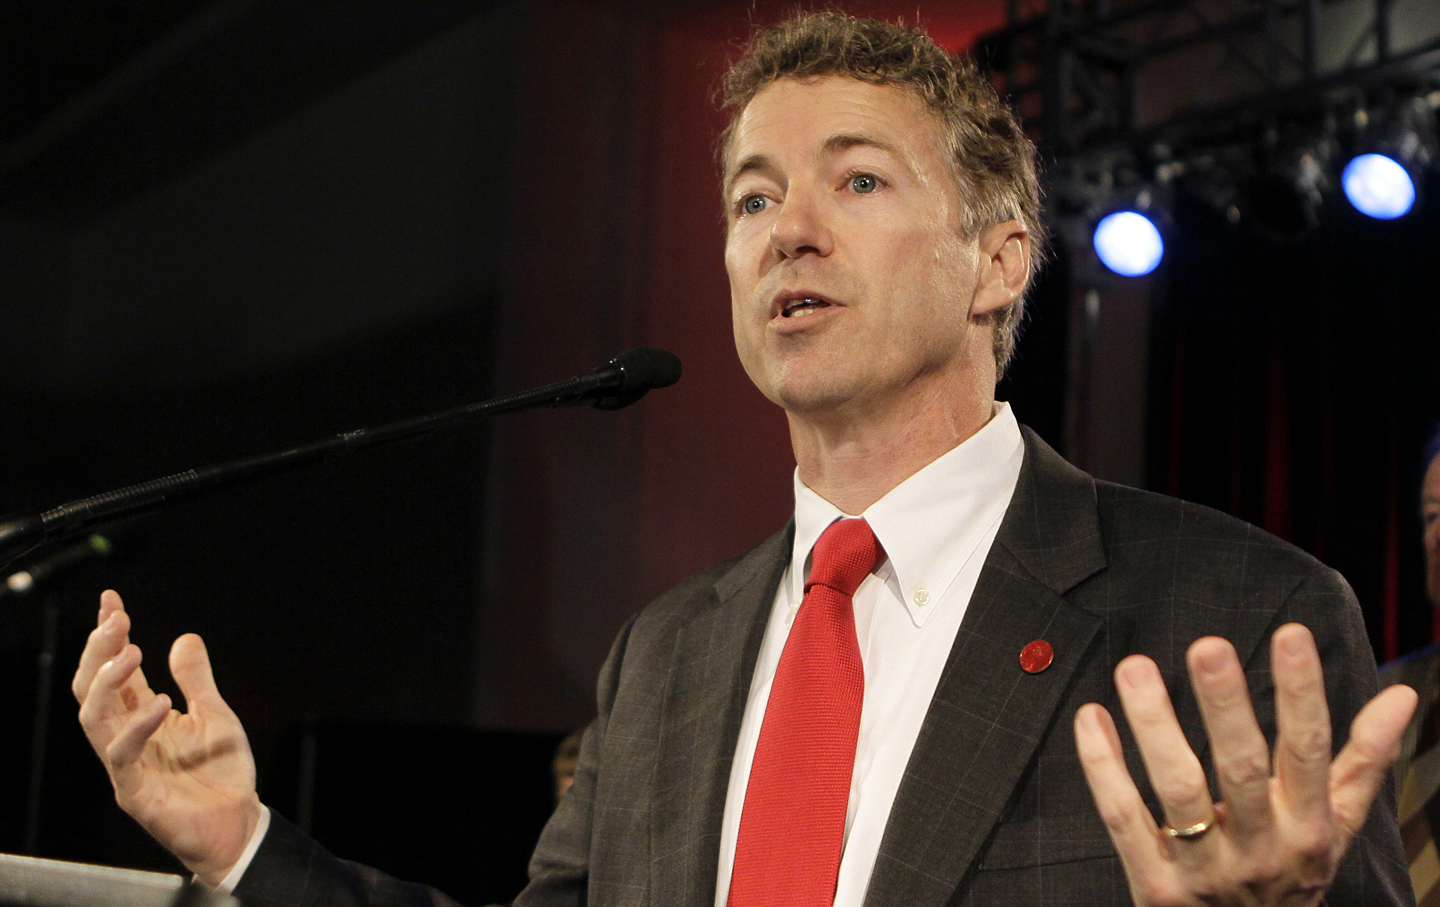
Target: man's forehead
pixel 830 114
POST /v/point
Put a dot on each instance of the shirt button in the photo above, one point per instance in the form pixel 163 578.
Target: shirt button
pixel 921 597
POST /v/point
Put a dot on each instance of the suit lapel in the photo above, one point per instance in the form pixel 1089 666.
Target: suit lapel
pixel 714 658
pixel 988 715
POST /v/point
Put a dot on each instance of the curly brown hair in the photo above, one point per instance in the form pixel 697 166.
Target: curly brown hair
pixel 993 162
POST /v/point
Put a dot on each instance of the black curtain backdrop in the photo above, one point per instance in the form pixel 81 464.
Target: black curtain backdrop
pixel 1294 385
pixel 1034 382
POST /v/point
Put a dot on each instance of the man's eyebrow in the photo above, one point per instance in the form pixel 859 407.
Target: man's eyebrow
pixel 835 144
pixel 750 163
pixel 846 140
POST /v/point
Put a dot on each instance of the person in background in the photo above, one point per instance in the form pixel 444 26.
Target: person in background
pixel 566 755
pixel 1417 770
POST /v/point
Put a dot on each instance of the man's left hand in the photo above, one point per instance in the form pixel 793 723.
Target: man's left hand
pixel 1280 829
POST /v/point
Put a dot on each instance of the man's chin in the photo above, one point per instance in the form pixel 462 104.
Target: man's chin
pixel 815 381
pixel 815 399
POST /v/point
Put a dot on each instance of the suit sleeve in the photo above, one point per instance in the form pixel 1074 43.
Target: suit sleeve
pixel 1373 871
pixel 560 866
pixel 292 870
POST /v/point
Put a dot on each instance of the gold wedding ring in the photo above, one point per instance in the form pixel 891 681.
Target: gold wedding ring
pixel 1190 833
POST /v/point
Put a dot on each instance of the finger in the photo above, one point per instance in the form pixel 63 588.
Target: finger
pixel 1238 747
pixel 110 636
pixel 1302 747
pixel 109 699
pixel 110 602
pixel 123 753
pixel 1132 829
pixel 190 666
pixel 1362 765
pixel 1175 773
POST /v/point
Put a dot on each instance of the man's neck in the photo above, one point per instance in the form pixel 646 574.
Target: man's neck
pixel 854 461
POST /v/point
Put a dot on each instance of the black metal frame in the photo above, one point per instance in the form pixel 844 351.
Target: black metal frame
pixel 1075 71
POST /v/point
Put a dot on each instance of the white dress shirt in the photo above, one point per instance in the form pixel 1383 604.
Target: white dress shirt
pixel 936 528
pixel 247 856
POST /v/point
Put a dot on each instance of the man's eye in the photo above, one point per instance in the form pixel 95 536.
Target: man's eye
pixel 864 182
pixel 753 204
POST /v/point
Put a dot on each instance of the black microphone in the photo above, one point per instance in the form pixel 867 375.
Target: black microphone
pixel 625 379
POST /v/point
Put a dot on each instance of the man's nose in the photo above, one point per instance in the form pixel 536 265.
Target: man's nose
pixel 802 226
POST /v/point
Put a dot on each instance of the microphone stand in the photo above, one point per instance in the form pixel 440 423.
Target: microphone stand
pixel 23 585
pixel 620 382
pixel 40 728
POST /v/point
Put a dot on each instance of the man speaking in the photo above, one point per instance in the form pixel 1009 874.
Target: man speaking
pixel 899 698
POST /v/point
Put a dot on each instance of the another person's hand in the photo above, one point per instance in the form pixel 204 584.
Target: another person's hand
pixel 1280 829
pixel 188 779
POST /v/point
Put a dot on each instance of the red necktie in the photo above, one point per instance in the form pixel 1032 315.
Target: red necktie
pixel 792 826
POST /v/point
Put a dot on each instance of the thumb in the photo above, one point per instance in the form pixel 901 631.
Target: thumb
pixel 1361 767
pixel 190 666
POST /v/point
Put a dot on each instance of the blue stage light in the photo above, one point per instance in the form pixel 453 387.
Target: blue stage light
pixel 1129 243
pixel 1378 186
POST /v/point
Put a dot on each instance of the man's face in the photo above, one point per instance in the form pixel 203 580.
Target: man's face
pixel 1430 515
pixel 852 286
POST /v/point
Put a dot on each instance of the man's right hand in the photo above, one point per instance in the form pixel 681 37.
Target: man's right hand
pixel 187 778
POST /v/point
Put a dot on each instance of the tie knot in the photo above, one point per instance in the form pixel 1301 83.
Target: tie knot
pixel 845 554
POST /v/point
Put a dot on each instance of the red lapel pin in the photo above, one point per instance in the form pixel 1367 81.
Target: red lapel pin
pixel 1037 656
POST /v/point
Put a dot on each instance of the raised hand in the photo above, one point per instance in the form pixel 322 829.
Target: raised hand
pixel 1281 827
pixel 187 778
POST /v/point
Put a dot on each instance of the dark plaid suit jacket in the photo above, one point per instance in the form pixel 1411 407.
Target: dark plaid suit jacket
pixel 993 808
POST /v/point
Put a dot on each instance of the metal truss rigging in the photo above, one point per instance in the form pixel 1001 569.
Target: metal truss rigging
pixel 1095 75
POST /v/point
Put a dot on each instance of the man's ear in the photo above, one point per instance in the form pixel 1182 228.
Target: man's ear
pixel 1004 256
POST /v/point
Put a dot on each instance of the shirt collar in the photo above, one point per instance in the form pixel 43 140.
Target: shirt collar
pixel 931 523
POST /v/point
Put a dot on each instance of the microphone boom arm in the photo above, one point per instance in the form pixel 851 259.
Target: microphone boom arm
pixel 620 382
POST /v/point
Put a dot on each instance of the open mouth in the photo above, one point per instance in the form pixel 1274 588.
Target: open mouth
pixel 802 306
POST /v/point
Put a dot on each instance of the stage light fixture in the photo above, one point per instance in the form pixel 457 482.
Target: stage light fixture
pixel 1283 196
pixel 1378 186
pixel 1382 180
pixel 1129 243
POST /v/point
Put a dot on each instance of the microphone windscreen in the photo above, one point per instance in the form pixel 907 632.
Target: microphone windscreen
pixel 648 368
